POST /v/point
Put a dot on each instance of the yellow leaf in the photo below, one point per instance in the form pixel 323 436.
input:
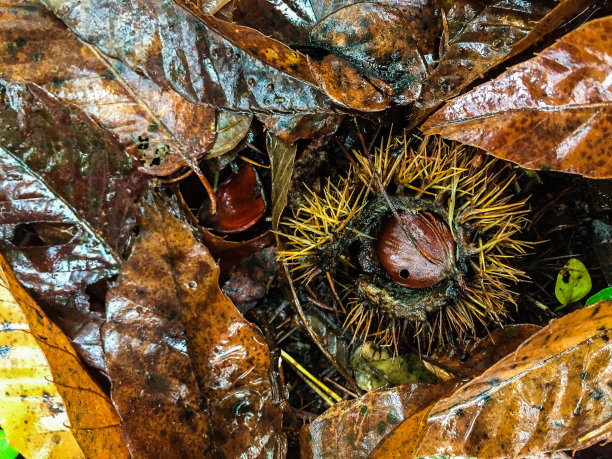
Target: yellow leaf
pixel 49 405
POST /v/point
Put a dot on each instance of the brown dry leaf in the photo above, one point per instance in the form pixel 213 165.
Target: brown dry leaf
pixel 152 122
pixel 481 35
pixel 189 375
pixel 551 112
pixel 50 406
pixel 552 393
pixel 282 158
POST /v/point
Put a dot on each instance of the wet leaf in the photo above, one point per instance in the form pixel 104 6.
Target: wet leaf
pixel 231 128
pixel 384 42
pixel 470 359
pixel 551 394
pixel 66 194
pixel 290 128
pixel 573 282
pixel 282 158
pixel 204 59
pixel 240 202
pixel 153 123
pixel 180 357
pixel 50 406
pixel 344 85
pixel 355 427
pixel 551 112
pixel 481 36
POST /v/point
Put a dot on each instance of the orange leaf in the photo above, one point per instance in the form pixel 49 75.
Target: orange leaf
pixel 50 406
pixel 551 112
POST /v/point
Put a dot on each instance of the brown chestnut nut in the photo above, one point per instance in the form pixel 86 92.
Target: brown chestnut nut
pixel 417 251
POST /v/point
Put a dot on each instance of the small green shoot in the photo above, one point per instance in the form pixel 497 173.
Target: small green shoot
pixel 605 294
pixel 573 282
pixel 6 450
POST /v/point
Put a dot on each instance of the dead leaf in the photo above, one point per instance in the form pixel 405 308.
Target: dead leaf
pixel 355 427
pixel 282 157
pixel 290 128
pixel 546 396
pixel 385 42
pixel 67 193
pixel 345 86
pixel 551 112
pixel 206 60
pixel 481 36
pixel 50 406
pixel 231 129
pixel 181 359
pixel 470 359
pixel 153 123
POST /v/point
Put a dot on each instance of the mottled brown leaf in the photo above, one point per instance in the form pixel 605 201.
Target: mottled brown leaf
pixel 189 375
pixel 552 393
pixel 204 59
pixel 345 86
pixel 290 128
pixel 50 406
pixel 551 112
pixel 153 123
pixel 481 36
pixel 354 428
pixel 67 192
pixel 385 42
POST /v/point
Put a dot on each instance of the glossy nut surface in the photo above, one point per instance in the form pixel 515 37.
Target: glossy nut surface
pixel 418 250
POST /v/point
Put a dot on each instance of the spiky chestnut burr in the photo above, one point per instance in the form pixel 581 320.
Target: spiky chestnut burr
pixel 421 236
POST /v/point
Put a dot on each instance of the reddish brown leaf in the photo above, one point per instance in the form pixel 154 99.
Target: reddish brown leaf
pixel 153 123
pixel 551 394
pixel 189 375
pixel 481 36
pixel 240 202
pixel 551 112
pixel 67 193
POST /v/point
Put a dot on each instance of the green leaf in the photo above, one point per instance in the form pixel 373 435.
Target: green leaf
pixel 6 450
pixel 605 294
pixel 573 282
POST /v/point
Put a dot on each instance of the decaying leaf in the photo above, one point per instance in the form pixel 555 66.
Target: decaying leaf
pixel 50 406
pixel 387 43
pixel 231 128
pixel 548 395
pixel 355 427
pixel 152 122
pixel 573 282
pixel 180 357
pixel 67 191
pixel 282 157
pixel 204 59
pixel 481 35
pixel 551 112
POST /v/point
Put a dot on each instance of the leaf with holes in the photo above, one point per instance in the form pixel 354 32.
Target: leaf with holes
pixel 50 405
pixel 155 124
